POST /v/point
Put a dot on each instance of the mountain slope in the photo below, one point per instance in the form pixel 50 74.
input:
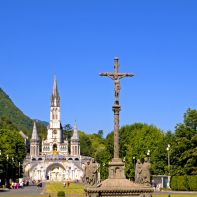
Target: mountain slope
pixel 9 111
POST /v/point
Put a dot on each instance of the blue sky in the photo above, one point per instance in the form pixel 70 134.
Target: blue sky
pixel 76 40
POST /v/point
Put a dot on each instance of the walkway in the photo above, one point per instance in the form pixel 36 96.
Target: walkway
pixel 188 193
pixel 26 191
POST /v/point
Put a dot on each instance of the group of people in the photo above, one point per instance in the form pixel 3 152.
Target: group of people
pixel 67 183
pixel 91 173
pixel 142 172
pixel 17 185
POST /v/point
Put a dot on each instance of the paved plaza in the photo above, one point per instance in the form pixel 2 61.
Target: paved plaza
pixel 34 191
pixel 26 191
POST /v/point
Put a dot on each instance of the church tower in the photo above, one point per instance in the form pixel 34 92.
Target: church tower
pixel 55 124
pixel 55 140
pixel 34 143
pixel 75 143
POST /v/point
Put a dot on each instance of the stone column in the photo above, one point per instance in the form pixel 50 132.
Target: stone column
pixel 116 109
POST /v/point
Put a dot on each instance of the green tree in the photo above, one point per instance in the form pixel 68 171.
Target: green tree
pixel 136 140
pixel 68 131
pixel 109 143
pixel 103 157
pixel 184 149
pixel 5 123
pixel 13 151
pixel 100 134
pixel 85 144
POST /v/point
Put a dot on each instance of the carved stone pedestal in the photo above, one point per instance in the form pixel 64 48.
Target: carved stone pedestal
pixel 117 184
pixel 116 169
pixel 118 187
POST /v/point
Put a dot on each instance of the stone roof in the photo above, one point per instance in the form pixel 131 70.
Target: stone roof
pixel 55 98
pixel 34 136
pixel 55 90
pixel 75 133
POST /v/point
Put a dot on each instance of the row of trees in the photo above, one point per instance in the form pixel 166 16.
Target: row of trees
pixel 139 138
pixel 135 141
pixel 12 151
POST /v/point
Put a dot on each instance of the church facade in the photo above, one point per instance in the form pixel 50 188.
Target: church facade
pixel 54 162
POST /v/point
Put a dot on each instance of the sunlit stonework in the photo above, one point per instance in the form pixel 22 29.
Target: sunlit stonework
pixel 54 162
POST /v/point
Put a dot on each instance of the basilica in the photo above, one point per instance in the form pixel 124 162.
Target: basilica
pixel 57 159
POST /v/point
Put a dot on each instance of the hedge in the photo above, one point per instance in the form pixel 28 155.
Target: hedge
pixel 61 194
pixel 184 183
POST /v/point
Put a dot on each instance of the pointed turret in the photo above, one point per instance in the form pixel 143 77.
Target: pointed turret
pixel 75 133
pixel 34 144
pixel 75 143
pixel 34 136
pixel 55 99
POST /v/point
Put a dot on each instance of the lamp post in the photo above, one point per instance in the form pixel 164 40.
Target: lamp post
pixel 7 158
pixel 168 151
pixel 134 162
pixel 1 171
pixel 12 169
pixel 148 154
pixel 123 159
pixel 134 168
pixel 19 165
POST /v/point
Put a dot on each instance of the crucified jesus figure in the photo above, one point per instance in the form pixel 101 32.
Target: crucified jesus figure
pixel 116 76
pixel 117 87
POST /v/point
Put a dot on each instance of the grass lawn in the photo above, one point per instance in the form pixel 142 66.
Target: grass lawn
pixel 75 189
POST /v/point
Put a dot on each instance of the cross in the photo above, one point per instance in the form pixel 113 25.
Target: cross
pixel 116 76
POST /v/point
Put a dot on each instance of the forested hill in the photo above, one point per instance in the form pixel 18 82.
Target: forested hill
pixel 9 111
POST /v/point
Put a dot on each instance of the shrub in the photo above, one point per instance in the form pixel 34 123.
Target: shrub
pixel 61 194
pixel 193 183
pixel 184 183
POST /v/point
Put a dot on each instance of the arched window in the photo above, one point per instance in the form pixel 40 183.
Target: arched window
pixel 54 147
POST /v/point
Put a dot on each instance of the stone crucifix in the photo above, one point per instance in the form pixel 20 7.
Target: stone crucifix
pixel 116 76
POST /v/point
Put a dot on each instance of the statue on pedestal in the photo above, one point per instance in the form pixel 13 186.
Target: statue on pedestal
pixel 94 173
pixel 91 173
pixel 142 172
pixel 146 172
pixel 87 173
pixel 138 172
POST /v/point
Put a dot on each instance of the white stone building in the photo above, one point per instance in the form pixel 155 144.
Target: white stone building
pixel 54 162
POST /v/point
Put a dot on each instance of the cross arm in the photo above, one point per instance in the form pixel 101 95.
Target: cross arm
pixel 106 74
pixel 121 75
pixel 110 75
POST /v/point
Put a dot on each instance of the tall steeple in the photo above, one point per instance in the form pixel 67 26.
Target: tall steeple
pixel 55 99
pixel 34 144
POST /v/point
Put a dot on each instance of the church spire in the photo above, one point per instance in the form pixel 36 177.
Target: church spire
pixel 55 99
pixel 34 133
pixel 55 90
